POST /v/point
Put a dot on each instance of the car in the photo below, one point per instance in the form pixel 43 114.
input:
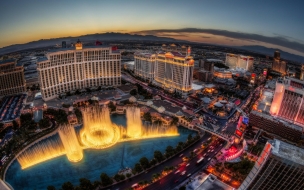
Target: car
pixel 177 172
pixel 205 154
pixel 181 155
pixel 187 165
pixel 183 173
pixel 188 175
pixel 176 181
pixel 194 150
pixel 208 159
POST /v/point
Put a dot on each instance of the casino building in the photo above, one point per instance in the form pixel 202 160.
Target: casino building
pixel 288 101
pixel 174 71
pixel 239 62
pixel 76 68
pixel 11 78
pixel 144 64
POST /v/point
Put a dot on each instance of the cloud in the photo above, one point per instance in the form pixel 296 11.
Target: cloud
pixel 278 40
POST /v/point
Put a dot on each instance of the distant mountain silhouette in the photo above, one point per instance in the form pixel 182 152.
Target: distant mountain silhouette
pixel 270 51
pixel 84 38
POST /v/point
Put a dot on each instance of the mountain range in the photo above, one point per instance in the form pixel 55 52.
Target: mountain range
pixel 133 37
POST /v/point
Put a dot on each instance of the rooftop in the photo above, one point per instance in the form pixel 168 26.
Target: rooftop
pixel 287 151
pixel 7 61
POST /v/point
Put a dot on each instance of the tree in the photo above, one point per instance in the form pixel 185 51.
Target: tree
pixel 85 184
pixel 144 162
pixel 133 92
pixel 128 175
pixel 147 116
pixel 117 177
pixel 137 168
pixel 44 123
pixel 15 125
pixel 96 184
pixel 189 137
pixel 105 179
pixel 112 106
pixel 169 151
pixel 174 121
pixel 78 115
pixel 67 186
pixel 153 162
pixel 158 156
pixel 51 187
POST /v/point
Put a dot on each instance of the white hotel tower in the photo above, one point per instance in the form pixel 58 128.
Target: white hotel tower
pixel 239 62
pixel 71 69
pixel 144 65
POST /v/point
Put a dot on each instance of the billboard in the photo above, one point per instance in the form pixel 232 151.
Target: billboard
pixel 245 120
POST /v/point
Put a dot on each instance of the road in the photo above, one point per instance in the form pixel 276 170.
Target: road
pixel 174 161
pixel 172 180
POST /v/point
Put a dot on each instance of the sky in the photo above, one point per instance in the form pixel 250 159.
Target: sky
pixel 271 23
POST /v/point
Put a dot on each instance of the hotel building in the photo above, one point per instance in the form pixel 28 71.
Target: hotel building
pixel 144 64
pixel 239 62
pixel 174 71
pixel 280 166
pixel 71 69
pixel 288 101
pixel 11 78
pixel 278 65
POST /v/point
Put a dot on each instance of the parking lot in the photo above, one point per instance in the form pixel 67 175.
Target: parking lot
pixel 10 107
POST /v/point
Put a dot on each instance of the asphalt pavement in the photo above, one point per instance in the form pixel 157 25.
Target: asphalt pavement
pixel 173 179
pixel 173 161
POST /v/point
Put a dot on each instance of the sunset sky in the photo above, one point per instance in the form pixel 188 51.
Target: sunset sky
pixel 278 24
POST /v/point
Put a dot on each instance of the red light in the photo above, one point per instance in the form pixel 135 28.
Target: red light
pixel 253 74
pixel 238 133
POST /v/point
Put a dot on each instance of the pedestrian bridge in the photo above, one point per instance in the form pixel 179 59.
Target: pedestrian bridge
pixel 218 134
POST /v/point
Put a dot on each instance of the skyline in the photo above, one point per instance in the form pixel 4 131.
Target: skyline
pixel 219 23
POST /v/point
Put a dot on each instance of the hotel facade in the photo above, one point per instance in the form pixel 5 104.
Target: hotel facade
pixel 279 166
pixel 72 69
pixel 174 71
pixel 11 78
pixel 144 65
pixel 288 101
pixel 239 62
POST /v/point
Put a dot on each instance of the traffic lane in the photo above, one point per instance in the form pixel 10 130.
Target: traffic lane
pixel 173 179
pixel 157 169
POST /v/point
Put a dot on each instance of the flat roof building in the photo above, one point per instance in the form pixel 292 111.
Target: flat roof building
pixel 70 69
pixel 11 78
pixel 279 166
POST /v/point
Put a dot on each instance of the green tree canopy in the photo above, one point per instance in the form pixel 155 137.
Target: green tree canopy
pixel 105 179
pixel 67 186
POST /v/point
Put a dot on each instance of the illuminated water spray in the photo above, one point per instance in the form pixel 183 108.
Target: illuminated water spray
pixel 70 143
pixel 98 130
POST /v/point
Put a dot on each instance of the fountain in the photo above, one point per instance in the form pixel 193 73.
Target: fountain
pixel 134 123
pixel 70 143
pixel 135 128
pixel 40 152
pixel 43 163
pixel 98 130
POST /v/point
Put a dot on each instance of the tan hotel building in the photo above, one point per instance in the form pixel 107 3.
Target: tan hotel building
pixel 174 71
pixel 71 69
pixel 11 78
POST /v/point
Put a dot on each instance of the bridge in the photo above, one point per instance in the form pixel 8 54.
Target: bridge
pixel 241 111
pixel 218 134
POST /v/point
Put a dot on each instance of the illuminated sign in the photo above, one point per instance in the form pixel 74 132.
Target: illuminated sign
pixel 265 72
pixel 238 133
pixel 245 120
pixel 253 75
